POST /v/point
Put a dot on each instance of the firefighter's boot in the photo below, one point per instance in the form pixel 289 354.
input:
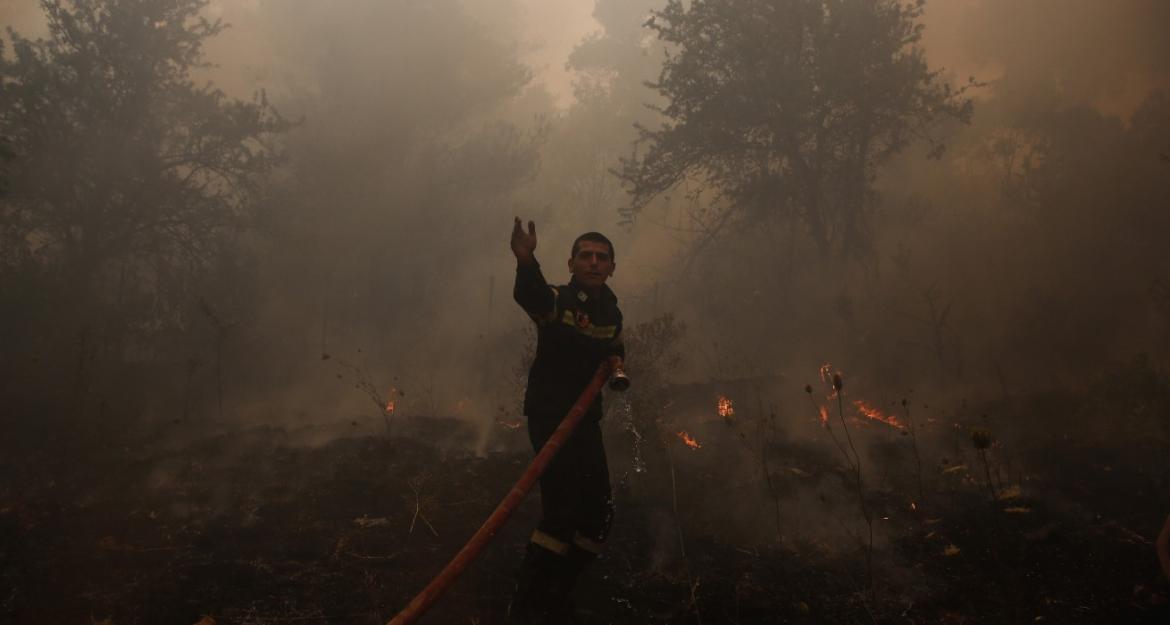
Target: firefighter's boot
pixel 562 608
pixel 532 601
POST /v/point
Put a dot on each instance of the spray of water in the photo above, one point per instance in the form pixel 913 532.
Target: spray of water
pixel 629 426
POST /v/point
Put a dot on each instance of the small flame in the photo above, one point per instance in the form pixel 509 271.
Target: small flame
pixel 824 415
pixel 831 378
pixel 873 413
pixel 391 402
pixel 690 442
pixel 725 407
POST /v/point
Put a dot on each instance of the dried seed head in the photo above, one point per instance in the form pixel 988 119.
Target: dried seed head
pixel 981 438
pixel 808 388
pixel 837 384
pixel 904 402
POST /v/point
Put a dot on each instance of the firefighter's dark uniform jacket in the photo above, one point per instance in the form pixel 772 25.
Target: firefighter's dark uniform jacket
pixel 576 332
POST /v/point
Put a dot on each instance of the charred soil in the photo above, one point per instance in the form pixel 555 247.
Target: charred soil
pixel 141 525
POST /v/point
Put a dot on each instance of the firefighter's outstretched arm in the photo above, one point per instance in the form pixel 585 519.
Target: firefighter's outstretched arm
pixel 533 294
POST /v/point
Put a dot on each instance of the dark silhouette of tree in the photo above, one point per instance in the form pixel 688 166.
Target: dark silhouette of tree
pixel 783 109
pixel 123 170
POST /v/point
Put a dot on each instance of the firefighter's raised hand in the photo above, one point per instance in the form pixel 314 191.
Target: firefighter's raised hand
pixel 524 243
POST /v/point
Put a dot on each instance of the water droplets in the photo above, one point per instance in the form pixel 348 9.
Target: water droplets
pixel 629 426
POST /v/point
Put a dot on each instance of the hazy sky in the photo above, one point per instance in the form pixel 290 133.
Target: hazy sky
pixel 1111 47
pixel 23 15
pixel 550 28
pixel 555 26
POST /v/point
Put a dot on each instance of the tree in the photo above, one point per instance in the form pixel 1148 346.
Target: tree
pixel 784 109
pixel 122 165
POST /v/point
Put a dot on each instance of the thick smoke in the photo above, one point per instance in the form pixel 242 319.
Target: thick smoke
pixel 423 127
pixel 1012 298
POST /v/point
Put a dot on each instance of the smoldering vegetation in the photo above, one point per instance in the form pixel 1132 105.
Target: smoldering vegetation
pixel 893 273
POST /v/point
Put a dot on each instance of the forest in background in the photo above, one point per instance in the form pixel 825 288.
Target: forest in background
pixel 346 201
pixel 290 216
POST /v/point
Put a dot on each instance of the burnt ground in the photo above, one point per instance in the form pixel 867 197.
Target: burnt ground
pixel 123 522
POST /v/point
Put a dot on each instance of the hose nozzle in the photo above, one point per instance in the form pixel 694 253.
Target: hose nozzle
pixel 619 381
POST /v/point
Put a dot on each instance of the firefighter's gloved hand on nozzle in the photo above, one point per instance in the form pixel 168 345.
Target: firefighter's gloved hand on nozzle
pixel 618 379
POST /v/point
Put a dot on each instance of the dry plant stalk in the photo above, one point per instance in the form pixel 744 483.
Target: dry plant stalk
pixel 914 446
pixel 420 502
pixel 765 435
pixel 853 460
pixel 364 381
pixel 982 439
pixel 692 581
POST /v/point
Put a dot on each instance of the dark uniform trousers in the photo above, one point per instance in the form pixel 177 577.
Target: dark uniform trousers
pixel 575 496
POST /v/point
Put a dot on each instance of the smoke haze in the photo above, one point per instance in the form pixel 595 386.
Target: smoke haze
pixel 361 285
pixel 420 125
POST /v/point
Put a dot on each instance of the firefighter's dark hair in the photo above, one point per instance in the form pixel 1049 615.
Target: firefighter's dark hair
pixel 596 237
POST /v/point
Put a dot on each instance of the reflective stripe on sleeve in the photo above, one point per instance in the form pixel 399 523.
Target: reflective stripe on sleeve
pixel 592 331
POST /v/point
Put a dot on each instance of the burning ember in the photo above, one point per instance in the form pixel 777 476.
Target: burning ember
pixel 831 378
pixel 725 407
pixel 392 397
pixel 391 402
pixel 828 378
pixel 873 413
pixel 690 442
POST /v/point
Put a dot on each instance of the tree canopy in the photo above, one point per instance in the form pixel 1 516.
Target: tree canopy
pixel 783 109
pixel 117 156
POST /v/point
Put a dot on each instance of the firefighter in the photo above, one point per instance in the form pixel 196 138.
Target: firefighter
pixel 578 327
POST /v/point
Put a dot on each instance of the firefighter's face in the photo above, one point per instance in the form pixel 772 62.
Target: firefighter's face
pixel 593 263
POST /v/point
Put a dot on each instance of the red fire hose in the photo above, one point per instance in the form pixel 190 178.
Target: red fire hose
pixel 429 595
